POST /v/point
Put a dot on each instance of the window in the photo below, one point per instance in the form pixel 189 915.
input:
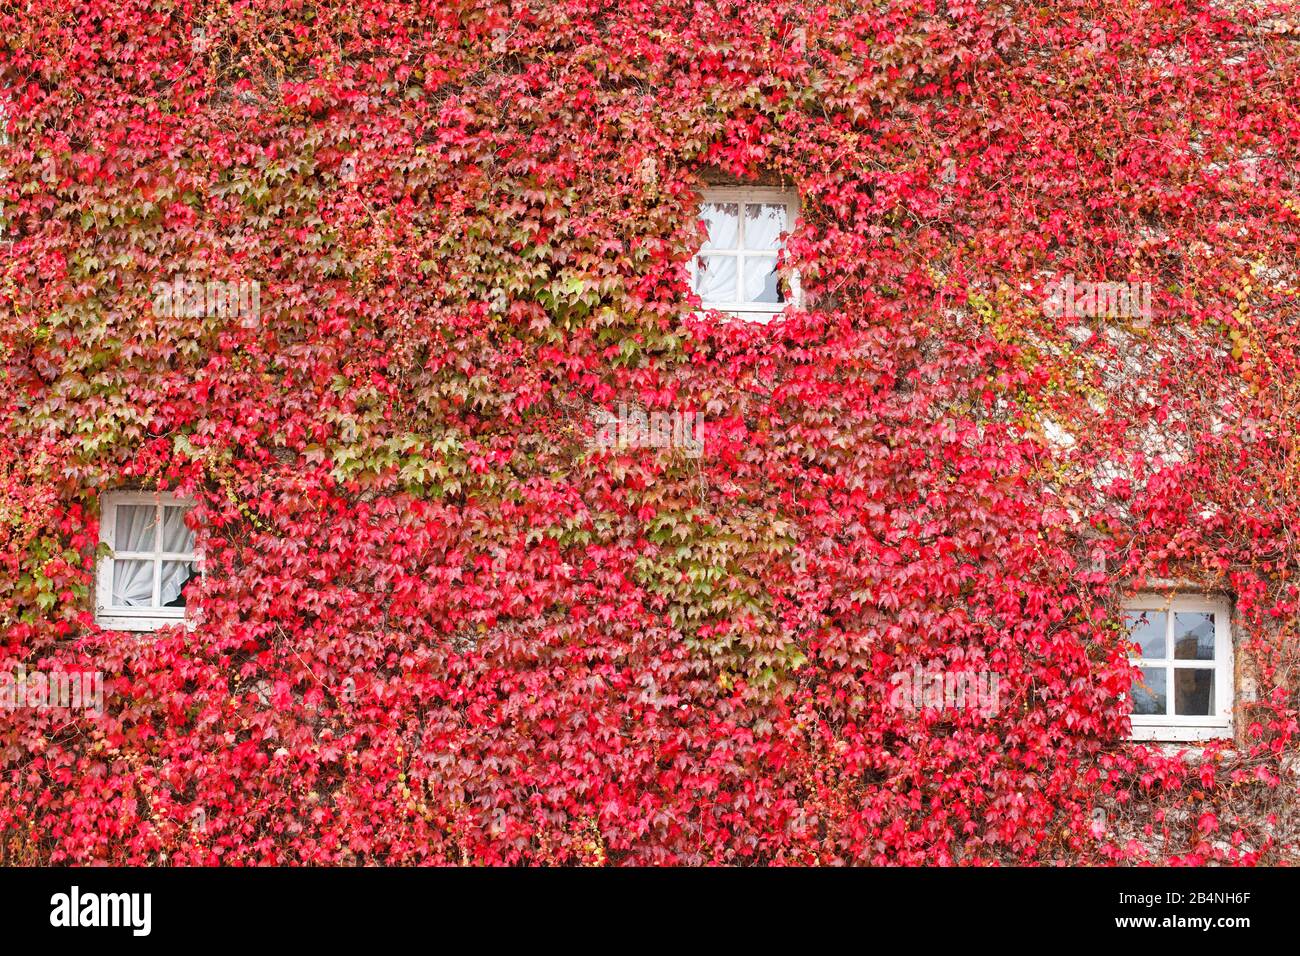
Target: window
pixel 735 271
pixel 1184 650
pixel 142 582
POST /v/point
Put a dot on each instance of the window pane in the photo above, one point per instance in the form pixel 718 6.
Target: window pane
pixel 176 537
pixel 1147 630
pixel 1193 636
pixel 136 528
pixel 1149 695
pixel 715 278
pixel 133 583
pixel 1193 691
pixel 760 280
pixel 175 576
pixel 723 222
pixel 764 223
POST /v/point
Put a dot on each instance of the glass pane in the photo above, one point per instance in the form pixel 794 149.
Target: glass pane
pixel 137 528
pixel 176 576
pixel 764 223
pixel 1149 694
pixel 723 222
pixel 760 280
pixel 1193 691
pixel 176 537
pixel 1193 636
pixel 715 278
pixel 1147 630
pixel 133 583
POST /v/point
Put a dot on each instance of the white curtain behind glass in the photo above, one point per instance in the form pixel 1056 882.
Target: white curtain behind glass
pixel 176 539
pixel 764 223
pixel 715 276
pixel 134 530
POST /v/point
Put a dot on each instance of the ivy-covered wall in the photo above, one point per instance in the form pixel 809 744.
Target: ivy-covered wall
pixel 439 621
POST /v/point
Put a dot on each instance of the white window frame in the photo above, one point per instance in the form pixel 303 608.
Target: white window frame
pixel 1174 727
pixel 752 311
pixel 114 618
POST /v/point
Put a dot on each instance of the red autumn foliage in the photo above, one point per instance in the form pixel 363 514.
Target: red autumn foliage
pixel 439 625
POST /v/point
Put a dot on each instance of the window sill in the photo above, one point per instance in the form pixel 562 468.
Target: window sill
pixel 122 622
pixel 1170 733
pixel 742 315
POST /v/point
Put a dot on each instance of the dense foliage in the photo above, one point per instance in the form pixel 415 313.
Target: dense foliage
pixel 439 624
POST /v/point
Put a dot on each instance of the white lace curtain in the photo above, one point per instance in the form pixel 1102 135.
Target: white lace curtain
pixel 136 530
pixel 717 276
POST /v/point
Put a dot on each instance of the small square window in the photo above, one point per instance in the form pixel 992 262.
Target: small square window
pixel 736 269
pixel 142 582
pixel 1183 652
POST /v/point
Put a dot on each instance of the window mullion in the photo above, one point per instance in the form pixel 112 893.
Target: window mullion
pixel 1169 657
pixel 157 555
pixel 740 252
